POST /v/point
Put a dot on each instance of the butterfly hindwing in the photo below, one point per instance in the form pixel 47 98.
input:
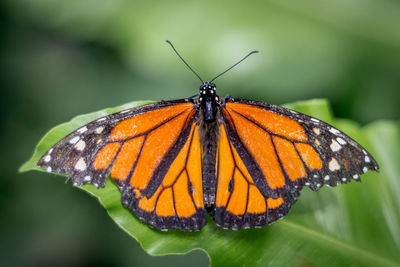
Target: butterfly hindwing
pixel 239 203
pixel 140 149
pixel 291 149
pixel 173 199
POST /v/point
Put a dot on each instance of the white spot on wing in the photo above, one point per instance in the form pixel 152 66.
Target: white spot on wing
pixel 341 141
pixel 80 165
pixel 344 179
pixel 317 131
pixel 366 159
pixel 48 169
pixel 47 158
pixel 125 111
pixel 80 146
pixel 355 176
pixel 335 146
pixel 82 130
pixel 102 119
pixel 334 165
pixel 326 178
pixel 99 130
pixel 365 169
pixel 315 120
pixel 334 131
pixel 87 178
pixel 74 140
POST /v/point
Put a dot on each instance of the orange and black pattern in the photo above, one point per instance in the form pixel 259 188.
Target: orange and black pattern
pixel 244 162
pixel 281 151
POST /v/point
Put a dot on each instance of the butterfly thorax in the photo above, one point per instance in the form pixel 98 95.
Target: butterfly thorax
pixel 208 101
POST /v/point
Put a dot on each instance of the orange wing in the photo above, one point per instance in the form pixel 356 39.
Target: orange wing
pixel 174 199
pixel 152 153
pixel 239 203
pixel 284 149
pixel 266 154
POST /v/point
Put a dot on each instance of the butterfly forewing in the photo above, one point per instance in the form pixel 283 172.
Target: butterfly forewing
pixel 289 150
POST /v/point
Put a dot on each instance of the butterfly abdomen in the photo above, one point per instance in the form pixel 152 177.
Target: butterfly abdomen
pixel 209 140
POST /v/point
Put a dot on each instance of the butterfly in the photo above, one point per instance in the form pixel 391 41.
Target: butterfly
pixel 244 162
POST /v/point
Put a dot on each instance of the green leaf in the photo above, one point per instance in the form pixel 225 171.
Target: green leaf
pixel 356 224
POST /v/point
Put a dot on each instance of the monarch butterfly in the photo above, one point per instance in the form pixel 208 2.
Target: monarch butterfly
pixel 243 161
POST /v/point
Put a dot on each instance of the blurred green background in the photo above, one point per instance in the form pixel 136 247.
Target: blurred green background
pixel 59 59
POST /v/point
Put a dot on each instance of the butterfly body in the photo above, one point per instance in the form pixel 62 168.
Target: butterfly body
pixel 242 161
pixel 209 119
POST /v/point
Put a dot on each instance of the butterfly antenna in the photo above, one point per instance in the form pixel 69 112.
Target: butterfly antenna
pixel 234 65
pixel 184 60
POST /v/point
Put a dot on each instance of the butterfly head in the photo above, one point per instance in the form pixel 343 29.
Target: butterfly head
pixel 207 89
